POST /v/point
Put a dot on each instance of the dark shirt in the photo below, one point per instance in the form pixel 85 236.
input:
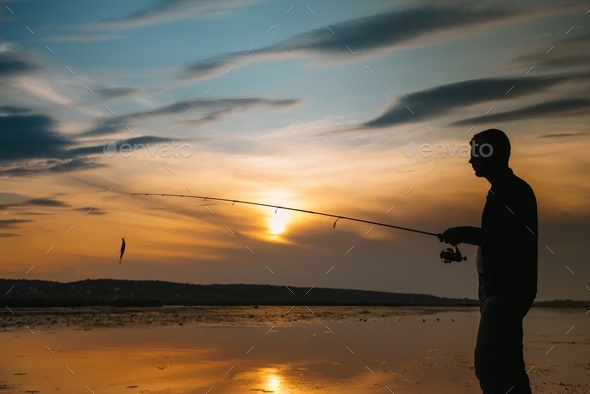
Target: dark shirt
pixel 509 237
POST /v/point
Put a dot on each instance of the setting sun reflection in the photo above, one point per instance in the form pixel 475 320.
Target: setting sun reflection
pixel 273 383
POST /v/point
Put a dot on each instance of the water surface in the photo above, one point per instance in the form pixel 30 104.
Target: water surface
pixel 275 350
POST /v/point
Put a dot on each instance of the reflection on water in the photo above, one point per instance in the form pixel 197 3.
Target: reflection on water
pixel 264 380
pixel 273 382
pixel 409 353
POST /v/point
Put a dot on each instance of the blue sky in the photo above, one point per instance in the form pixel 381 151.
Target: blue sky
pixel 291 103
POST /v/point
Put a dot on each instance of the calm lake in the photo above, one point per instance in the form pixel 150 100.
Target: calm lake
pixel 294 350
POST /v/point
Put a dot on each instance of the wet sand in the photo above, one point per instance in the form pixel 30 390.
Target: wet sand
pixel 275 350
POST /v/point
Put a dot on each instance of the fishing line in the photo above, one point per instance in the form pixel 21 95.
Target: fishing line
pixel 123 244
pixel 128 211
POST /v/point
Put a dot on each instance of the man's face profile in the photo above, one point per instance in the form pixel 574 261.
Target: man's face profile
pixel 481 157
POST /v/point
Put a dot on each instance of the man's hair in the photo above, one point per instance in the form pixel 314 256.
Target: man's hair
pixel 497 139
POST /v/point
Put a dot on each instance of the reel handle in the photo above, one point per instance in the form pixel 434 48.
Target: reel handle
pixel 449 255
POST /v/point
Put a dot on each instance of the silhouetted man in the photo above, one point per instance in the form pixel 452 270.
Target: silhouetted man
pixel 506 263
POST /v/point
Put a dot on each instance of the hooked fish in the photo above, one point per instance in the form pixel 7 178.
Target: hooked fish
pixel 122 249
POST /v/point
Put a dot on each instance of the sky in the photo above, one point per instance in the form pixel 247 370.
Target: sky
pixel 360 109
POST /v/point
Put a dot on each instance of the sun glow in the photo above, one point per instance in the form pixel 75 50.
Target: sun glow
pixel 278 222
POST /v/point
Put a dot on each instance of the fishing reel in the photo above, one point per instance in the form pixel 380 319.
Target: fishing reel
pixel 449 255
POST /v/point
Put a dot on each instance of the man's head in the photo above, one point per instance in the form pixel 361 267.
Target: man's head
pixel 490 152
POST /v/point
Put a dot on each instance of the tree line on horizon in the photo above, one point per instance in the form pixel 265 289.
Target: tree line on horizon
pixel 149 293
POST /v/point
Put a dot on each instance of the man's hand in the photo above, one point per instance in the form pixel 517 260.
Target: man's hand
pixel 453 235
pixel 463 234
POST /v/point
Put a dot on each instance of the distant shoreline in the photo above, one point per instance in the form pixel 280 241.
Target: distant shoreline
pixel 143 293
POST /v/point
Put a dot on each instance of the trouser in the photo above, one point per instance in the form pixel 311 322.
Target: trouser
pixel 499 362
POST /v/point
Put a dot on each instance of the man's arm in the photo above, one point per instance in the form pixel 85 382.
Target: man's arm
pixel 508 229
pixel 462 234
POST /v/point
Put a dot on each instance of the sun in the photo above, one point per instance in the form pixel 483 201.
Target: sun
pixel 278 220
pixel 277 223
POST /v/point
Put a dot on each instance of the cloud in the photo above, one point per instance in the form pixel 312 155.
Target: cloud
pixel 6 47
pixel 46 202
pixel 39 167
pixel 30 136
pixel 110 92
pixel 13 63
pixel 569 60
pixel 10 223
pixel 563 135
pixel 365 35
pixel 106 93
pixel 33 168
pixel 41 88
pixel 29 145
pixel 91 211
pixel 565 107
pixel 12 110
pixel 83 37
pixel 570 52
pixel 36 202
pixel 135 141
pixel 201 110
pixel 109 126
pixel 165 11
pixel 217 105
pixel 444 99
pixel 211 67
pixel 81 163
pixel 12 197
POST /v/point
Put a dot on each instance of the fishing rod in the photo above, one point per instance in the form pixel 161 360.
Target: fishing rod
pixel 448 255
